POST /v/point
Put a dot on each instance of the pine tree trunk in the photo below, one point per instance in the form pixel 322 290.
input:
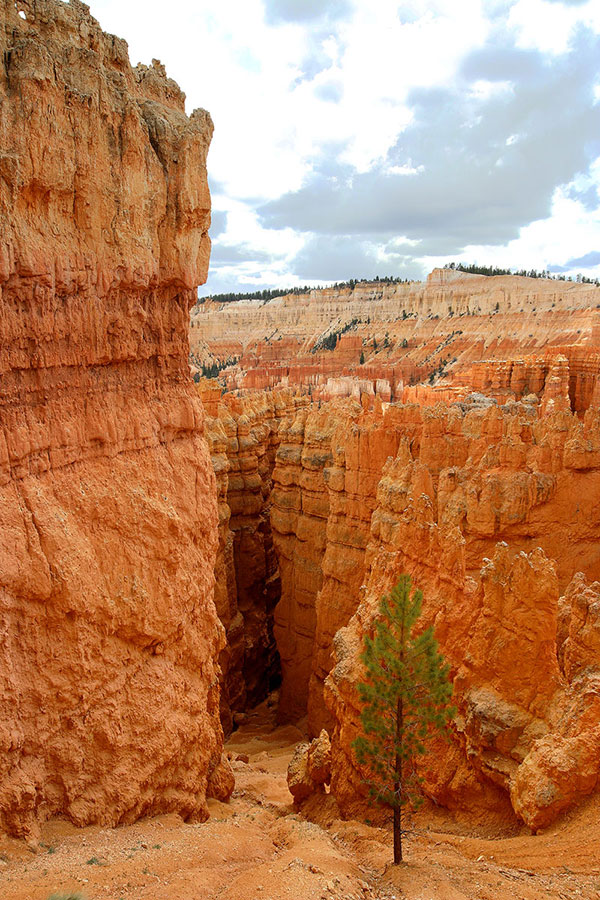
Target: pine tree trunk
pixel 397 835
pixel 398 786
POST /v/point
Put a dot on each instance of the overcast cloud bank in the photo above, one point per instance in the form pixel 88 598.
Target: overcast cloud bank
pixel 356 139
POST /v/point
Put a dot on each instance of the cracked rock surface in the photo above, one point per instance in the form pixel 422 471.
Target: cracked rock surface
pixel 108 631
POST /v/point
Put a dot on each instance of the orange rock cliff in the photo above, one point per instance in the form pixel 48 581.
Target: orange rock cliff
pixel 494 512
pixel 109 639
pixel 481 480
pixel 482 483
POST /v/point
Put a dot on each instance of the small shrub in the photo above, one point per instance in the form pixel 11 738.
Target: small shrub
pixel 76 896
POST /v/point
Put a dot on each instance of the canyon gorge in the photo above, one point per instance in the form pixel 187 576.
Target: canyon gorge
pixel 481 480
pixel 178 550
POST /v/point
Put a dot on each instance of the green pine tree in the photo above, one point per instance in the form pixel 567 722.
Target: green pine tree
pixel 405 699
pixel 362 358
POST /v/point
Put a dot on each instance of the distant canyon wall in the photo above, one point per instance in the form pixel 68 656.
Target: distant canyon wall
pixel 109 637
pixel 455 332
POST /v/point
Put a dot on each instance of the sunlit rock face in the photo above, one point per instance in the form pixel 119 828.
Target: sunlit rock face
pixel 493 512
pixel 109 637
pixel 328 466
pixel 423 341
pixel 492 509
pixel 483 489
pixel 473 500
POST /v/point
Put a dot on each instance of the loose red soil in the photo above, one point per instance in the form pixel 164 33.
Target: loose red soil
pixel 257 847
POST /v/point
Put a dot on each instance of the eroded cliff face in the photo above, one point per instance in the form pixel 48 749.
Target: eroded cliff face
pixel 456 333
pixel 244 434
pixel 118 654
pixel 328 465
pixel 109 698
pixel 493 511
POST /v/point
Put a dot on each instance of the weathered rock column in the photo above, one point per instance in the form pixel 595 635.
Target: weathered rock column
pixel 109 639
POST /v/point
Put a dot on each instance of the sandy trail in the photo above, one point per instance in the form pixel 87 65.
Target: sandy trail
pixel 258 848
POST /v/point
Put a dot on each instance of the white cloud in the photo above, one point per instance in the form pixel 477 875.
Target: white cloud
pixel 298 88
pixel 548 26
pixel 542 243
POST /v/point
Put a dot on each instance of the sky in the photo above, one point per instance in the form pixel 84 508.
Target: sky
pixel 356 138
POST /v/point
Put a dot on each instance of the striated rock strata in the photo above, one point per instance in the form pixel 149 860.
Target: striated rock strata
pixel 244 433
pixel 109 696
pixel 329 463
pixel 493 511
pixel 453 333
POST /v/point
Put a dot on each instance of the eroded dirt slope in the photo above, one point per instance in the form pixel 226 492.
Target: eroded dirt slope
pixel 258 848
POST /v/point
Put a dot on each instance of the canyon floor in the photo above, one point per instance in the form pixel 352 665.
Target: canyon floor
pixel 257 847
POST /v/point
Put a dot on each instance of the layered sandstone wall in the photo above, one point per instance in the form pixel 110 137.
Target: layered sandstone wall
pixel 244 435
pixel 299 514
pixel 329 463
pixel 361 444
pixel 445 331
pixel 109 637
pixel 493 511
pixel 526 741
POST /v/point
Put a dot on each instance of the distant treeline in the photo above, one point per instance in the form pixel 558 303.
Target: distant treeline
pixel 526 273
pixel 256 295
pixel 281 292
pixel 386 279
pixel 212 370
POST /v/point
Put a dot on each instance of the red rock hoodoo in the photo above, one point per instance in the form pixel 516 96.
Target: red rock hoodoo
pixel 109 699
